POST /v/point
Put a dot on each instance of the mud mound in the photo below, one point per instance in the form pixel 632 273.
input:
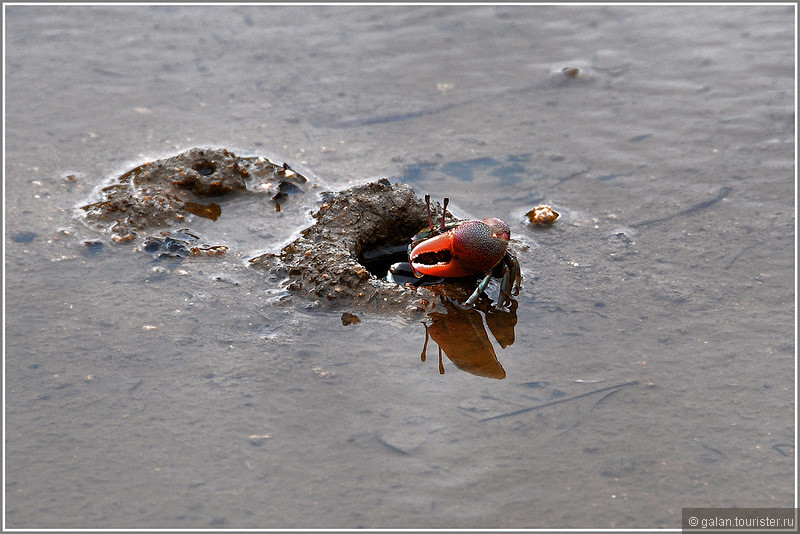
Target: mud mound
pixel 162 193
pixel 323 263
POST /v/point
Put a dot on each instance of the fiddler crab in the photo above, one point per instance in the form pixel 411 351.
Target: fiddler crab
pixel 458 248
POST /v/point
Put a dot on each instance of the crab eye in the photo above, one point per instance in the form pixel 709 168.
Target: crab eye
pixel 502 235
pixel 499 228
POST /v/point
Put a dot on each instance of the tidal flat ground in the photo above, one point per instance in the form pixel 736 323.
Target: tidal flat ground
pixel 653 361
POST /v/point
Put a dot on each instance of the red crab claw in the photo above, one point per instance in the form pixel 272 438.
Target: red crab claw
pixel 471 248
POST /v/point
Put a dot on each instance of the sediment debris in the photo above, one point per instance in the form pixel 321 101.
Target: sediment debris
pixel 542 215
pixel 163 193
pixel 349 318
pixel 180 244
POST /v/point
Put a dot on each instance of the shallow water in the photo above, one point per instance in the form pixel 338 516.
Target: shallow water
pixel 654 342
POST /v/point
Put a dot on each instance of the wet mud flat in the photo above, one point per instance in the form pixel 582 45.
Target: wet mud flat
pixel 544 411
pixel 164 381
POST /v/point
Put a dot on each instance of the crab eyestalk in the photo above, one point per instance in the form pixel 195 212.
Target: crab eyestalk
pixel 428 208
pixel 442 227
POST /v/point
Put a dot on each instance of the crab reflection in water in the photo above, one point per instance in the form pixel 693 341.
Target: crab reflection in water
pixel 461 335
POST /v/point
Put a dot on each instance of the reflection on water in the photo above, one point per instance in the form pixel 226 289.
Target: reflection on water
pixel 510 171
pixel 461 335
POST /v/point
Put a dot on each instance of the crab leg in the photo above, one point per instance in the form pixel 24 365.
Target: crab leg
pixel 481 287
pixel 510 285
pixel 517 278
pixel 515 275
pixel 503 296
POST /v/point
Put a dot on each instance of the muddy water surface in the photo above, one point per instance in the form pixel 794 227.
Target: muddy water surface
pixel 653 359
